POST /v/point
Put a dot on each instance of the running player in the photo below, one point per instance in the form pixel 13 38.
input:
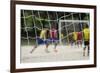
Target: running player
pixel 43 39
pixel 86 37
pixel 53 37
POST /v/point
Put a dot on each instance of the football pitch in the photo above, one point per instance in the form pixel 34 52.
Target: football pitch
pixel 64 53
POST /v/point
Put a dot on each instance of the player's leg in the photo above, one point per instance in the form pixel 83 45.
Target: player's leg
pixel 81 43
pixel 78 43
pixel 75 43
pixel 88 49
pixel 84 49
pixel 47 44
pixel 55 45
pixel 46 49
pixel 39 41
pixel 55 41
pixel 34 48
pixel 72 42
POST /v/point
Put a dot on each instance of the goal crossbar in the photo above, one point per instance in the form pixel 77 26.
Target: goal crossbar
pixel 84 21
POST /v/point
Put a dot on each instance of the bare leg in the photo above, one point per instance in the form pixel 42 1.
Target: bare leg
pixel 75 43
pixel 78 43
pixel 55 47
pixel 81 43
pixel 88 50
pixel 33 49
pixel 84 51
pixel 72 42
pixel 46 49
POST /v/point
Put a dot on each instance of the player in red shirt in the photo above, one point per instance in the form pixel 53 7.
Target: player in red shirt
pixel 79 38
pixel 53 33
pixel 53 37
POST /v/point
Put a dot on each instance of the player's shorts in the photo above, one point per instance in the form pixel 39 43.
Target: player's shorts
pixel 42 41
pixel 53 40
pixel 86 42
pixel 79 41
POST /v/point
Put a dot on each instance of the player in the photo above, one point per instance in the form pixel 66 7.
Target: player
pixel 53 37
pixel 79 38
pixel 47 35
pixel 43 39
pixel 75 38
pixel 86 37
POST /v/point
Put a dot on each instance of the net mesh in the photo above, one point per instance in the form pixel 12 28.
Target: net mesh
pixel 68 27
pixel 34 21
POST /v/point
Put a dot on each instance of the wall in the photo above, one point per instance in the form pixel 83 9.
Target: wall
pixel 5 36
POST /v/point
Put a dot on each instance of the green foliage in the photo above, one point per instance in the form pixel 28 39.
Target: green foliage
pixel 29 21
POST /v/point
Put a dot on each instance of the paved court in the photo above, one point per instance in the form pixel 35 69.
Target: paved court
pixel 65 53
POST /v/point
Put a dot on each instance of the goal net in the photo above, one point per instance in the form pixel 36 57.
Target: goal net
pixel 34 21
pixel 68 27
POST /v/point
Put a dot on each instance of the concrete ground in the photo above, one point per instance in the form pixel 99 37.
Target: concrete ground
pixel 64 53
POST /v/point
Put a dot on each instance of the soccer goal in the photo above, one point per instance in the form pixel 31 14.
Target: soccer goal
pixel 67 27
pixel 34 21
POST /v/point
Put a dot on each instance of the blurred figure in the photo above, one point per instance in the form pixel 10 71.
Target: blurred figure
pixel 79 38
pixel 75 38
pixel 43 39
pixel 86 37
pixel 53 37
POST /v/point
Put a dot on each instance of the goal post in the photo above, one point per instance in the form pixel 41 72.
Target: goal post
pixel 66 27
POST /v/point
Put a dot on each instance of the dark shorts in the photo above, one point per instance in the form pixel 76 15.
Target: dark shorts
pixel 53 39
pixel 86 42
pixel 47 41
pixel 42 41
